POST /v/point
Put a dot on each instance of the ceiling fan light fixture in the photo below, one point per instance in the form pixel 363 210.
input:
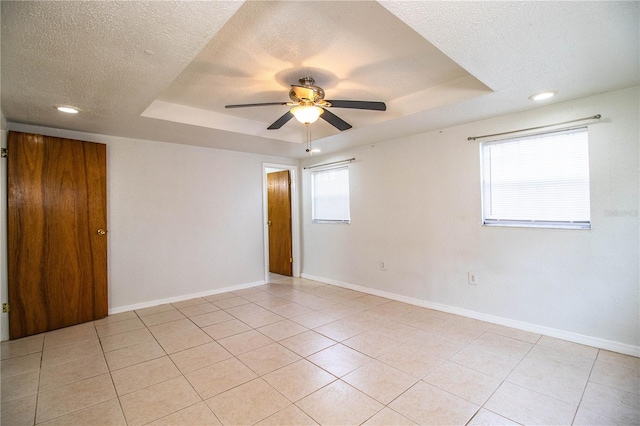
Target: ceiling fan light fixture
pixel 543 95
pixel 307 114
pixel 68 109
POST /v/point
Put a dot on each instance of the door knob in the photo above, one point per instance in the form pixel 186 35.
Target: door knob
pixel 101 231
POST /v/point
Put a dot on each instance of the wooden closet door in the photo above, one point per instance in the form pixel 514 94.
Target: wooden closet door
pixel 279 212
pixel 57 241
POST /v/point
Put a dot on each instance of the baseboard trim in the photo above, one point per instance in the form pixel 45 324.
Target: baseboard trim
pixel 520 325
pixel 157 302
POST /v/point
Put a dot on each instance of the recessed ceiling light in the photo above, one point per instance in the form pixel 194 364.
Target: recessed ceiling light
pixel 543 95
pixel 68 109
pixel 316 150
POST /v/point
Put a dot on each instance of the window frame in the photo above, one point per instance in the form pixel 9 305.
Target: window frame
pixel 533 223
pixel 313 196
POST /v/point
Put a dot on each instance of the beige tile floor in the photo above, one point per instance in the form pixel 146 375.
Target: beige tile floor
pixel 299 352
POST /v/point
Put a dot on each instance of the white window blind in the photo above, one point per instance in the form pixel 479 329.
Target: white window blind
pixel 330 195
pixel 540 181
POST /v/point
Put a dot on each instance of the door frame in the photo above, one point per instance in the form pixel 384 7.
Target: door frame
pixel 295 216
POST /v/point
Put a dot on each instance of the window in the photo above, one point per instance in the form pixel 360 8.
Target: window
pixel 330 195
pixel 538 181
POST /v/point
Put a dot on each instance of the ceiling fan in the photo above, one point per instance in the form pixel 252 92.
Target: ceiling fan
pixel 309 104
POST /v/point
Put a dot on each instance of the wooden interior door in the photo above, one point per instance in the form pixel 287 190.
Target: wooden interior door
pixel 279 206
pixel 57 243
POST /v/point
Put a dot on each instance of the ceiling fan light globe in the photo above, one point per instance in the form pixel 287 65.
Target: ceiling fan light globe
pixel 307 114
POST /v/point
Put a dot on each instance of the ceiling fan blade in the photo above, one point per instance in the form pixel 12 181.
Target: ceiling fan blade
pixel 334 120
pixel 281 121
pixel 255 105
pixel 376 106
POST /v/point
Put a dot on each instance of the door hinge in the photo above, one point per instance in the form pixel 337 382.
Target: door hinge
pixel 5 308
pixel 4 152
pixel 291 260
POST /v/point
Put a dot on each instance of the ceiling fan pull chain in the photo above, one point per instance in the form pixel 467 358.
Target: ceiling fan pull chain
pixel 308 139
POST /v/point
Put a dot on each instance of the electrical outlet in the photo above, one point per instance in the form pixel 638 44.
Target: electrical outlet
pixel 383 265
pixel 473 278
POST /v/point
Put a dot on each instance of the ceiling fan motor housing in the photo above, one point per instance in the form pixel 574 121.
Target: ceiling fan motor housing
pixel 306 91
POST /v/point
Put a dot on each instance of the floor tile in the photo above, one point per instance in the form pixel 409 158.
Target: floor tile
pixel 393 308
pixel 74 351
pixel 261 319
pixel 365 320
pixel 203 308
pixel 199 357
pixel 171 328
pixel 616 406
pixel 116 317
pixel 339 404
pixel 21 347
pixel 130 338
pixel 132 355
pixel 210 318
pixel 570 347
pixel 421 319
pixel 528 407
pixel 513 333
pixel 110 329
pixel 245 342
pixel 468 384
pixel 219 296
pixel 158 401
pixel 105 413
pixel 72 371
pixel 388 417
pixel 190 302
pixel 181 341
pixel 494 355
pixel 139 376
pixel 196 415
pixel 268 358
pixel 226 329
pixel 339 330
pixel 415 360
pixel 291 310
pixel 487 418
pixel 155 310
pixel 371 344
pixel 220 377
pixel 397 331
pixel 339 359
pixel 426 404
pixel 380 381
pixel 615 376
pixel 291 415
pixel 313 319
pixel 435 344
pixel 19 412
pixel 553 373
pixel 282 329
pixel 20 365
pixel 247 404
pixel 69 398
pixel 619 359
pixel 298 379
pixel 162 317
pixel 70 335
pixel 19 386
pixel 307 343
pixel 230 302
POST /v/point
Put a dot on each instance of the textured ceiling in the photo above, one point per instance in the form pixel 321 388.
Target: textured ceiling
pixel 164 70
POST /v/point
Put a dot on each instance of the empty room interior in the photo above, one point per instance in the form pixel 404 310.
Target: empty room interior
pixel 320 213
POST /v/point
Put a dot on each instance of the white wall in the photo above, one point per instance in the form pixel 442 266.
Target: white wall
pixel 415 203
pixel 181 219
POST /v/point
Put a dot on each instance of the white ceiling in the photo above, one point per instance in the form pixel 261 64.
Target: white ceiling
pixel 164 71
